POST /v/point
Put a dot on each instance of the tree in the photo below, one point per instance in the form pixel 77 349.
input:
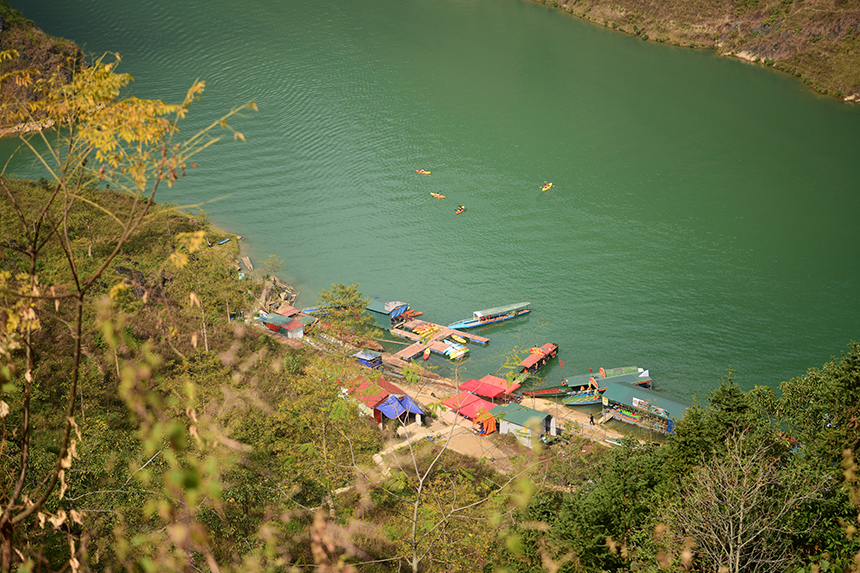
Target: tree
pixel 741 508
pixel 133 144
pixel 344 308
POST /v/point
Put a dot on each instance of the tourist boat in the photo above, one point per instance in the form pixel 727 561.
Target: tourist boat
pixel 437 195
pixel 582 384
pixel 594 393
pixel 546 186
pixel 538 357
pixel 491 315
pixel 422 171
pixel 460 209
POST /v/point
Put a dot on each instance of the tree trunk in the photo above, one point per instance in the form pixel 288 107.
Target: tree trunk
pixel 7 533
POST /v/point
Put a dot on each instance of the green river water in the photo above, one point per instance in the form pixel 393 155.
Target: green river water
pixel 705 212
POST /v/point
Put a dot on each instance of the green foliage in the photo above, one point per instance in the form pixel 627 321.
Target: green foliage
pixel 344 308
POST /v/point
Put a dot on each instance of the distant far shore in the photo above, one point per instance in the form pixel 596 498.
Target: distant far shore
pixel 809 39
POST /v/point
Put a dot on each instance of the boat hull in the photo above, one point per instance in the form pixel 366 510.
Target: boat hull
pixel 579 385
pixel 475 322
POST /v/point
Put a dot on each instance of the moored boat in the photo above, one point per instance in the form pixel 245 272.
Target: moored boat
pixel 538 357
pixel 426 353
pixel 491 315
pixel 455 350
pixel 593 394
pixel 584 383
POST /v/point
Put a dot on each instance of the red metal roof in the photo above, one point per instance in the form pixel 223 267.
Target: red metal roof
pixel 508 387
pixel 367 392
pixel 468 405
pixel 287 310
pixel 489 386
pixel 293 325
pixel 388 386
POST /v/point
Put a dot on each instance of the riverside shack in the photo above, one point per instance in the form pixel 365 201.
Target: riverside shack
pixel 383 400
pixel 490 387
pixel 526 424
pixel 642 407
pixel 388 313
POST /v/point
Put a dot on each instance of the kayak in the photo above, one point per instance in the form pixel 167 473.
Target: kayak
pixel 422 171
pixel 458 338
pixel 426 353
pixel 545 187
pixel 460 209
pixel 437 195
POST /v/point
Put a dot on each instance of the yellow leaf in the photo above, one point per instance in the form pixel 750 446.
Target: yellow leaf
pixel 179 260
pixel 117 289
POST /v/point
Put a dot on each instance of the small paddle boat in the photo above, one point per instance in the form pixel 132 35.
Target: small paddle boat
pixel 437 195
pixel 422 171
pixel 458 338
pixel 460 209
pixel 546 186
pixel 426 353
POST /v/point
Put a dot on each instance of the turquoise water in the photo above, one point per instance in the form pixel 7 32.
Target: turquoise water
pixel 704 211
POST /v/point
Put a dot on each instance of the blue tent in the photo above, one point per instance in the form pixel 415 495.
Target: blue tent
pixel 410 405
pixel 394 407
pixel 391 407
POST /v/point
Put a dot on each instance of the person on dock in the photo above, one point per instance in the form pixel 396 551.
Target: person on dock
pixel 591 419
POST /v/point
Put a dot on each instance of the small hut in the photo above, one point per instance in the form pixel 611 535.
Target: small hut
pixel 381 399
pixel 369 358
pixel 526 424
pixel 387 312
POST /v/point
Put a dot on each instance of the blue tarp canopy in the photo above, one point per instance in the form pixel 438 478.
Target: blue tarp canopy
pixel 391 408
pixel 410 405
pixel 394 407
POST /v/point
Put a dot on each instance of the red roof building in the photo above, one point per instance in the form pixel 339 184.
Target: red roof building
pixel 490 386
pixel 468 405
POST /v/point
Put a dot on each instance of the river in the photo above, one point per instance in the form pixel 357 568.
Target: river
pixel 704 211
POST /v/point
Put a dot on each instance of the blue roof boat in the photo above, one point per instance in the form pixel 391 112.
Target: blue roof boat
pixel 491 315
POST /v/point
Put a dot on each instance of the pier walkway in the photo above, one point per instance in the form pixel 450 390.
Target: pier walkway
pixel 433 342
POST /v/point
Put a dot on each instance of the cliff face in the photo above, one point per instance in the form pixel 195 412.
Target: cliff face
pixel 817 41
pixel 37 51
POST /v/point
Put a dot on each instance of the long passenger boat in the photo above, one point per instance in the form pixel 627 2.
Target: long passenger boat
pixel 491 315
pixel 580 384
pixel 594 394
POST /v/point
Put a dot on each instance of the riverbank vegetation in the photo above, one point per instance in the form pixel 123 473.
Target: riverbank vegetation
pixel 818 41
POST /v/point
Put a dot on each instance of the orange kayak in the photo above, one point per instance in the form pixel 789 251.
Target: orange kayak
pixel 437 195
pixel 422 171
pixel 460 209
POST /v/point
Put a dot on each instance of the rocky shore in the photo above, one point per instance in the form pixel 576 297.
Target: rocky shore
pixel 817 41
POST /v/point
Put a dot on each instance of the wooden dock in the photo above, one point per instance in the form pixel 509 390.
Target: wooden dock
pixel 434 342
